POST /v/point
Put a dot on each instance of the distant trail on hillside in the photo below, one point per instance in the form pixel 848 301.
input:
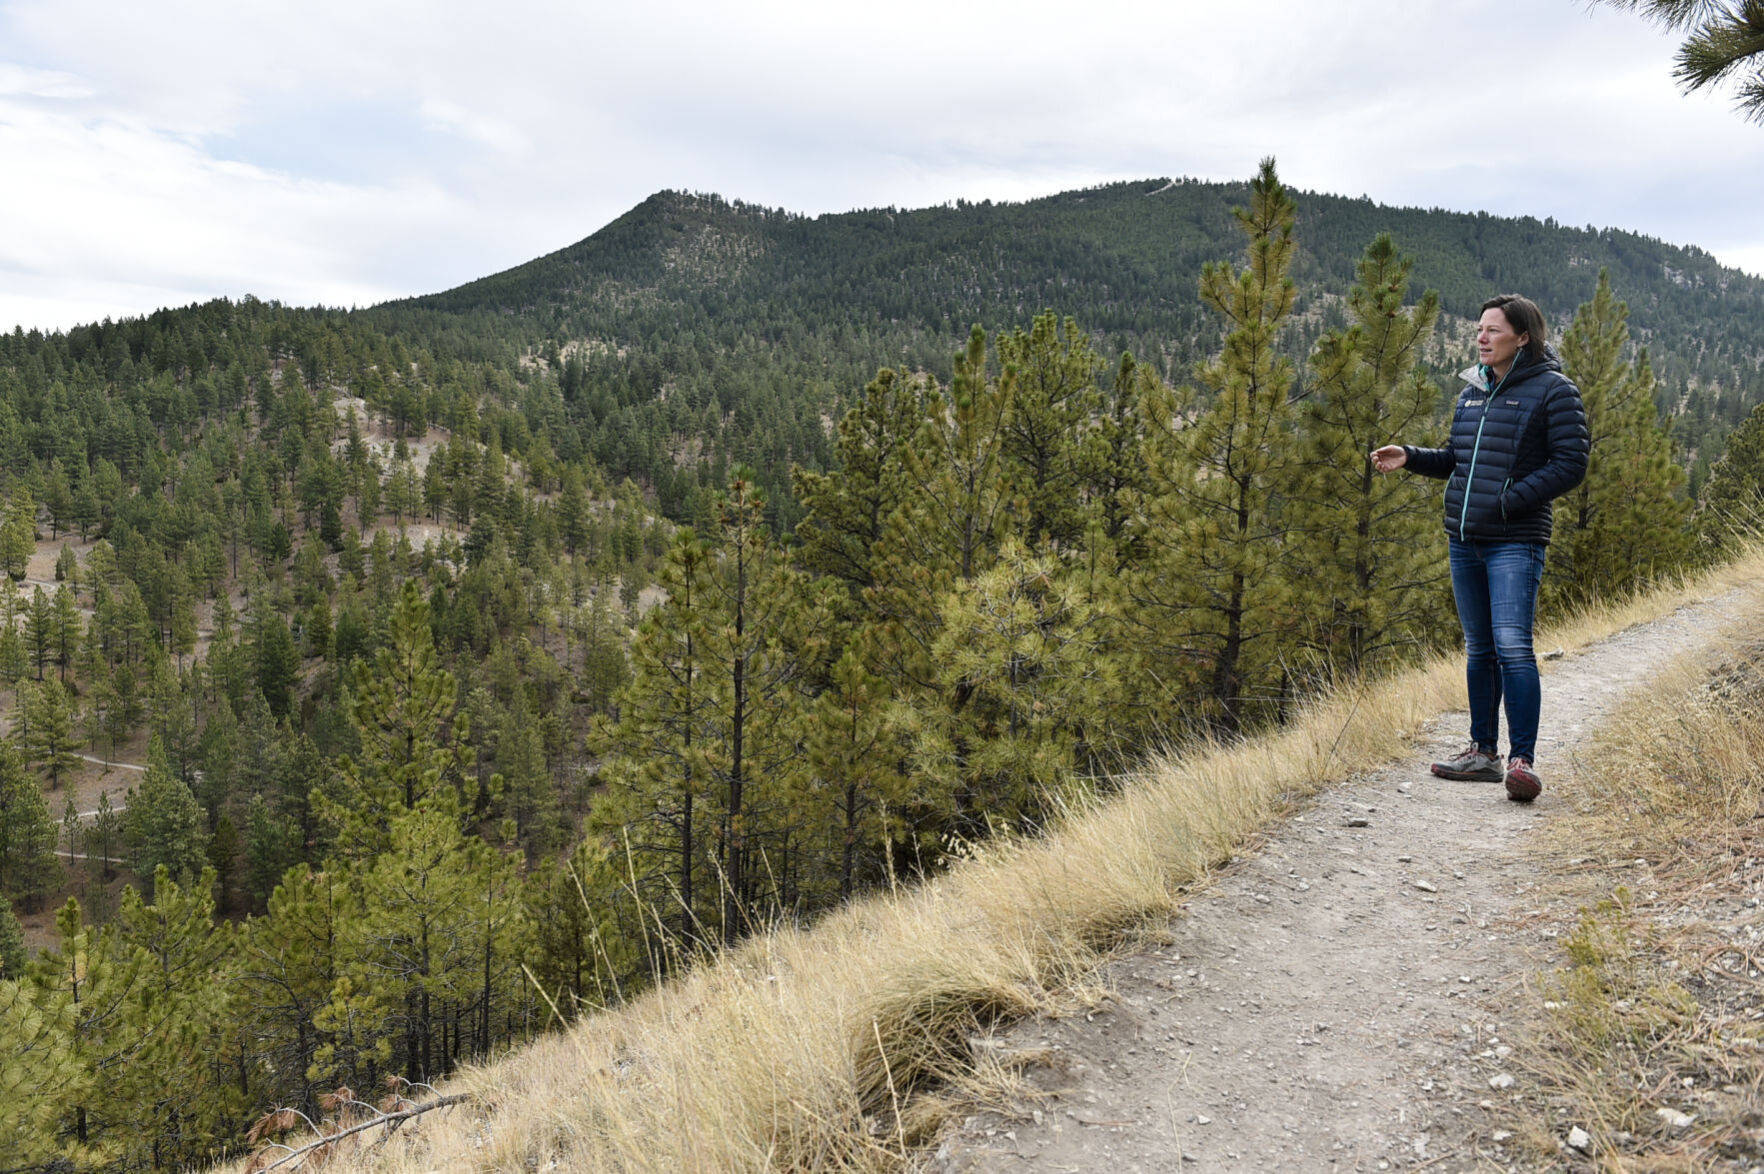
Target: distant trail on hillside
pixel 1338 999
pixel 110 763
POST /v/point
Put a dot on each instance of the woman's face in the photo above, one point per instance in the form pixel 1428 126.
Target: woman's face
pixel 1496 340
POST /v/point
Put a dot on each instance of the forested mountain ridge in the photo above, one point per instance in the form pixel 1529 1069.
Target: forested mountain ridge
pixel 759 320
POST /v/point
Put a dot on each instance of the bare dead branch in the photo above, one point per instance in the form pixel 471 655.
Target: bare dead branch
pixel 390 1120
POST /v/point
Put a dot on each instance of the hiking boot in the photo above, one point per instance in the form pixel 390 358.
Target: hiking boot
pixel 1472 764
pixel 1523 785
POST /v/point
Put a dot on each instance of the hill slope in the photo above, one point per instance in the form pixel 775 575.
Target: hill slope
pixel 741 326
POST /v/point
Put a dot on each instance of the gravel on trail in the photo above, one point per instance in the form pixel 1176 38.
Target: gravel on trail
pixel 1337 998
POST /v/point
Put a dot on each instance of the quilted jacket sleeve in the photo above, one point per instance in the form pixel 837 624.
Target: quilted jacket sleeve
pixel 1568 443
pixel 1431 462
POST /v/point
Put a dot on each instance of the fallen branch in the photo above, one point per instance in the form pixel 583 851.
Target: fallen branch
pixel 390 1120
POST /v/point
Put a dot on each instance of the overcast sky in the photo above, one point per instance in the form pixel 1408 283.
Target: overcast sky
pixel 348 151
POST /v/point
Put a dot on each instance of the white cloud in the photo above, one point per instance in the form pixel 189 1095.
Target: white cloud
pixel 348 151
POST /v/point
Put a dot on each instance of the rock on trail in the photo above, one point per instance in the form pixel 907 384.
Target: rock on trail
pixel 1337 999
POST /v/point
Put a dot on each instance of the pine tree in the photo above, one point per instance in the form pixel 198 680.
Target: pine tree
pixel 1366 564
pixel 859 762
pixel 41 1078
pixel 439 940
pixel 588 932
pixel 1025 679
pixel 1731 505
pixel 1053 371
pixel 173 1094
pixel 410 747
pixel 53 740
pixel 1212 597
pixel 28 865
pixel 1114 454
pixel 770 626
pixel 163 824
pixel 528 795
pixel 12 943
pixel 657 773
pixel 39 630
pixel 18 533
pixel 289 975
pixel 948 526
pixel 278 662
pixel 1725 42
pixel 14 661
pixel 69 630
pixel 1625 525
pixel 710 727
pixel 846 509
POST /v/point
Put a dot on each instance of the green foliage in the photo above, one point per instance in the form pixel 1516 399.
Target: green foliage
pixel 713 722
pixel 18 539
pixel 410 747
pixel 1025 677
pixel 1725 42
pixel 1625 527
pixel 1367 568
pixel 29 869
pixel 39 1073
pixel 1732 500
pixel 164 825
pixel 1213 586
pixel 12 943
pixel 51 741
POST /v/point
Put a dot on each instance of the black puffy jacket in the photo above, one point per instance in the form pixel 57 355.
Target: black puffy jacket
pixel 1510 453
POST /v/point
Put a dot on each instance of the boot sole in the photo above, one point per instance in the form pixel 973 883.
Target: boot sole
pixel 1523 791
pixel 1465 776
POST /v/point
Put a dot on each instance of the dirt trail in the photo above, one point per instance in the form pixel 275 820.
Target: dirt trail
pixel 1336 1000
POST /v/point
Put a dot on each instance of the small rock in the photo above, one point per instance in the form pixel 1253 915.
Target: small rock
pixel 1501 1080
pixel 1203 1119
pixel 1357 821
pixel 1426 886
pixel 1675 1119
pixel 1579 1138
pixel 1501 1135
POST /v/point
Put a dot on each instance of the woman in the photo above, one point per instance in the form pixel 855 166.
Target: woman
pixel 1518 440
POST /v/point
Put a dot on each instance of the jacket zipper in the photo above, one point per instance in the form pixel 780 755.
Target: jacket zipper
pixel 1476 449
pixel 1470 477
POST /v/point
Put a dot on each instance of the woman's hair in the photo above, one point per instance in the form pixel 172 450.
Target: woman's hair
pixel 1522 315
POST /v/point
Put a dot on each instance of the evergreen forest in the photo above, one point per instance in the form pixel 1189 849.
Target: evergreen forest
pixel 383 688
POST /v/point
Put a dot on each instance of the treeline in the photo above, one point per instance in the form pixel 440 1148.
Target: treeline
pixel 406 806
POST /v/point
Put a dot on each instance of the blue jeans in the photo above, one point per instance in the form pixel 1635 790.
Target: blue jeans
pixel 1495 586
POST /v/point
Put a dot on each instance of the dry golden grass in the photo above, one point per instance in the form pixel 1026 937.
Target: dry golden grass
pixel 841 1046
pixel 1659 1008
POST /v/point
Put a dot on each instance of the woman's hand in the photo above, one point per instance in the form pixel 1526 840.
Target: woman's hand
pixel 1389 458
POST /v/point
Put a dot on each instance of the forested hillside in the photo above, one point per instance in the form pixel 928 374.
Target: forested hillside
pixel 753 321
pixel 471 661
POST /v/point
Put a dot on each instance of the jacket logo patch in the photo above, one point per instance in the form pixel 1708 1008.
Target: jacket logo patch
pixel 1473 403
pixel 1512 403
